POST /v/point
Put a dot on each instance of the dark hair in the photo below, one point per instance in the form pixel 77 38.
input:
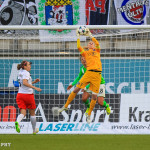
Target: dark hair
pixel 23 63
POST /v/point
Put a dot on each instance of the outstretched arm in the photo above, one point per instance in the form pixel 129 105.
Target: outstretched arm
pixel 76 79
pixel 97 46
pixel 81 50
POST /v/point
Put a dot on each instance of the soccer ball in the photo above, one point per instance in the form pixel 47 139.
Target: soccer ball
pixel 82 30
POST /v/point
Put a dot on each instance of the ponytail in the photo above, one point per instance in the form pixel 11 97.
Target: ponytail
pixel 23 63
pixel 19 66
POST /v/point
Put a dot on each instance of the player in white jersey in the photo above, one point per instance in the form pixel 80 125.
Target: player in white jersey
pixel 25 96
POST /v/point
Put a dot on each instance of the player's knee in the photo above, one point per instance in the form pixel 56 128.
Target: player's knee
pixel 76 90
pixel 94 96
pixel 32 112
pixel 84 98
pixel 23 111
pixel 100 101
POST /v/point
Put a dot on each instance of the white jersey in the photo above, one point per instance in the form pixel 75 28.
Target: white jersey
pixel 23 74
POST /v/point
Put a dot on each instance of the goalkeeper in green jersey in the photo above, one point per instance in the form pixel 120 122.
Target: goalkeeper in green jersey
pixel 87 92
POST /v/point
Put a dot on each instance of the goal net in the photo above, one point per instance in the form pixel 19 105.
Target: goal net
pixel 125 57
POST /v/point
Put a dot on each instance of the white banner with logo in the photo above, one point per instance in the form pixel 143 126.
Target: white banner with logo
pixel 78 128
pixel 135 108
pixel 130 115
pixel 60 12
pixel 132 12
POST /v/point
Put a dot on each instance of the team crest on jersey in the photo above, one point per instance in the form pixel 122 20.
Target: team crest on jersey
pixel 133 12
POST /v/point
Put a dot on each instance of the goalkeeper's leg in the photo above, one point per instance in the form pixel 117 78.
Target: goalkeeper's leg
pixel 70 99
pixel 86 101
pixel 92 105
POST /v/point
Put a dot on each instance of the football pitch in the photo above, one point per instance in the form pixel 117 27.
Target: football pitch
pixel 74 142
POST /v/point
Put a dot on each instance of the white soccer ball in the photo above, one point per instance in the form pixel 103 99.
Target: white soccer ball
pixel 82 30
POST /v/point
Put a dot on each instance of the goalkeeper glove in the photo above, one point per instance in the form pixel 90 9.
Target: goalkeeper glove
pixel 89 33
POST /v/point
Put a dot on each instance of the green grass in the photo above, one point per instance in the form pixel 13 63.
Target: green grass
pixel 75 142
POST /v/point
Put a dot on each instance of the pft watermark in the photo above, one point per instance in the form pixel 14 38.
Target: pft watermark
pixel 5 144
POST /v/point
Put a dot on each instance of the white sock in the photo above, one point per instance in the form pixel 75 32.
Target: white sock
pixel 33 122
pixel 20 117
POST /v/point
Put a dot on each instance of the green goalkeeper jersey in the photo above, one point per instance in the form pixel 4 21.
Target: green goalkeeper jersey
pixel 81 73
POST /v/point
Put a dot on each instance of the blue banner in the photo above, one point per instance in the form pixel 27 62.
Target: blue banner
pixel 121 75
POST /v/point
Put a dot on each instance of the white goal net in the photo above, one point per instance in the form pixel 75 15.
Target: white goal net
pixel 125 56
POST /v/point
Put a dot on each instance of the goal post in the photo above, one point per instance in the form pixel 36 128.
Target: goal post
pixel 125 57
pixel 72 27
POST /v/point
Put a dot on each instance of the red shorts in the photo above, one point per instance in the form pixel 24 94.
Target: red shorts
pixel 25 101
